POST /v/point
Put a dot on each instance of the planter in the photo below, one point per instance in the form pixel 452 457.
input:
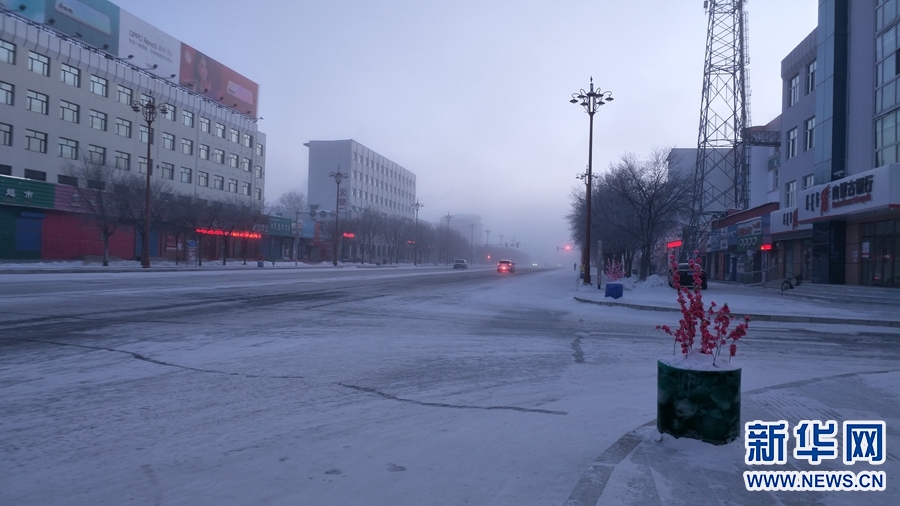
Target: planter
pixel 613 290
pixel 699 402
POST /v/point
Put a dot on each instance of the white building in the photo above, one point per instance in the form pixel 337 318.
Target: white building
pixel 373 181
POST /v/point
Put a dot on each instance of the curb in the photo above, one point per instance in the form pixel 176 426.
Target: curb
pixel 756 317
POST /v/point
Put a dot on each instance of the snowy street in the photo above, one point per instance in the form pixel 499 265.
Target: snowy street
pixel 422 386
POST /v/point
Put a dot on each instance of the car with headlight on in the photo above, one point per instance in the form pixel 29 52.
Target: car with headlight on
pixel 506 266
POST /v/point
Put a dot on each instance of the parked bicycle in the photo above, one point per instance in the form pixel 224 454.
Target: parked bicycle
pixel 791 283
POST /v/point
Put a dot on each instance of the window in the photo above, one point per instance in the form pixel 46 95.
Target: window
pixel 187 118
pixel 219 156
pixel 37 175
pixel 794 91
pixel 185 175
pixel 123 127
pixel 38 63
pixel 170 112
pixel 258 193
pixel 146 99
pixel 124 94
pixel 96 185
pixel 232 160
pixel 70 75
pixel 7 52
pixel 245 189
pixel 204 124
pixel 808 181
pixel 235 136
pixel 220 130
pixel 790 193
pixel 98 120
pixel 5 134
pixel 245 164
pixel 35 141
pixel 145 134
pixel 123 160
pixel 67 180
pixel 68 148
pixel 6 93
pixel 68 111
pixel 791 143
pixel 232 186
pixel 168 170
pixel 259 150
pixel 259 172
pixel 204 151
pixel 168 141
pixel 248 141
pixel 774 180
pixel 811 77
pixel 96 154
pixel 218 182
pixel 99 85
pixel 5 170
pixel 809 134
pixel 202 178
pixel 142 164
pixel 187 146
pixel 37 102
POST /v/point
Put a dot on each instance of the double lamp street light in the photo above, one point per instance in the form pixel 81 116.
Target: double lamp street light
pixel 591 100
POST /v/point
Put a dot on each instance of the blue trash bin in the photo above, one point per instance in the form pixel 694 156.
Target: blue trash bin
pixel 613 290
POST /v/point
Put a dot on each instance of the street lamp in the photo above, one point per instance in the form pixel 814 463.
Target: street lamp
pixel 472 234
pixel 447 253
pixel 591 101
pixel 149 110
pixel 338 177
pixel 418 205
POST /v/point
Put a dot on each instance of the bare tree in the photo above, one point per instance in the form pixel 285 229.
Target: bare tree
pixel 131 190
pixel 186 215
pixel 396 232
pixel 289 204
pixel 368 229
pixel 637 203
pixel 96 184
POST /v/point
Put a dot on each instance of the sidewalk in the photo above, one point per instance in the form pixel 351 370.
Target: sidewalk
pixel 646 468
pixel 78 266
pixel 837 304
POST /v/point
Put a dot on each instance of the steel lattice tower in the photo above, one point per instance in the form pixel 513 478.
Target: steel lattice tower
pixel 722 170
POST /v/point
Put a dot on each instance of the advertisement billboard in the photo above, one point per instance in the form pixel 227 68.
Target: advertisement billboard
pixel 148 47
pixel 94 22
pixel 201 74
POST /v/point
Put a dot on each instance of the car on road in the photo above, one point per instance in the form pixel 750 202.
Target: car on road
pixel 685 276
pixel 460 263
pixel 506 266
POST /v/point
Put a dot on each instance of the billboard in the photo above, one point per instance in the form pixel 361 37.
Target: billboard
pixel 101 24
pixel 148 47
pixel 201 74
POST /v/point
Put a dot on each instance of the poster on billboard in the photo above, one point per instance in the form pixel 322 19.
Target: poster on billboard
pixel 148 47
pixel 201 74
pixel 94 22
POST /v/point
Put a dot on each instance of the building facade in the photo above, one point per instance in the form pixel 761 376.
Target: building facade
pixel 67 88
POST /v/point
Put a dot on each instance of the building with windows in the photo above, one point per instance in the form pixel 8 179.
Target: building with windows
pixel 67 87
pixel 839 220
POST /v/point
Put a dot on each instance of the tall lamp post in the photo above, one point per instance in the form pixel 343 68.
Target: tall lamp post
pixel 447 253
pixel 591 100
pixel 418 205
pixel 338 177
pixel 148 110
pixel 472 234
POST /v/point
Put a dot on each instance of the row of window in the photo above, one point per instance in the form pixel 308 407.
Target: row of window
pixel 794 86
pixel 382 169
pixel 370 180
pixel 375 199
pixel 40 64
pixel 790 189
pixel 809 138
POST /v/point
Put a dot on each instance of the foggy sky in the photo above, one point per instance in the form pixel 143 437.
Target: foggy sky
pixel 472 96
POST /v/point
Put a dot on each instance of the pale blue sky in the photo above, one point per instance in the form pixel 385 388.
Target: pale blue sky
pixel 472 96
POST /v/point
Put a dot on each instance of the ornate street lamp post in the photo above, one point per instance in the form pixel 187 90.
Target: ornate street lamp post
pixel 338 177
pixel 591 100
pixel 418 205
pixel 148 110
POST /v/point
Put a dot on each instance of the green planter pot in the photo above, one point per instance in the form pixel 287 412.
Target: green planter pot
pixel 698 404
